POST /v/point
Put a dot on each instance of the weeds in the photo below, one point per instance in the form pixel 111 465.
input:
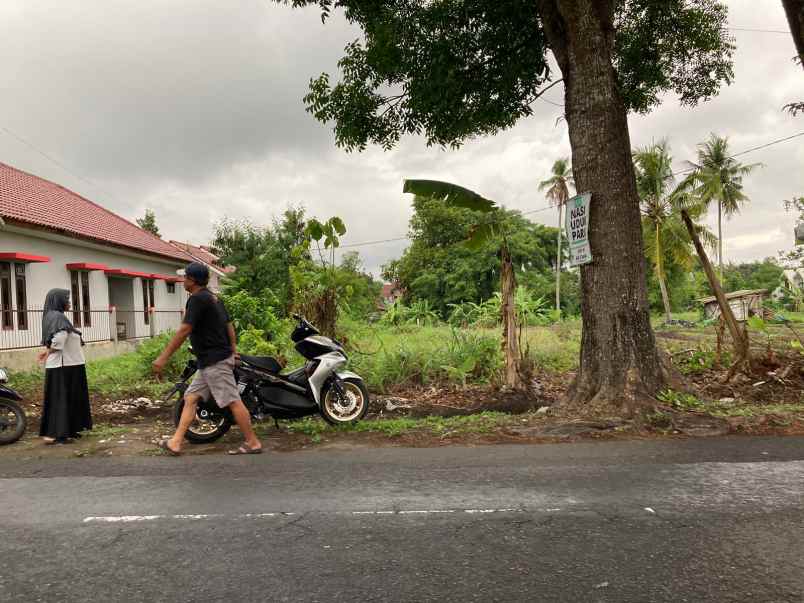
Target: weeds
pixel 485 422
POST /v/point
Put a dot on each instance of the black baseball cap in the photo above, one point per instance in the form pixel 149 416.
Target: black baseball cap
pixel 198 272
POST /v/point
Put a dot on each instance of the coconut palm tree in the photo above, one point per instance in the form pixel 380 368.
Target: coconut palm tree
pixel 665 234
pixel 557 186
pixel 719 178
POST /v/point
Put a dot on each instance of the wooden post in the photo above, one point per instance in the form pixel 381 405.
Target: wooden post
pixel 152 322
pixel 737 335
pixel 113 323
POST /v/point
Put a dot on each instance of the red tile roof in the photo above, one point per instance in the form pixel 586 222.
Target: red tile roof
pixel 198 252
pixel 30 200
pixel 204 255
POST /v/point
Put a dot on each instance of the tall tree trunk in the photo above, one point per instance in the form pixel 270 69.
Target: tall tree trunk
pixel 738 336
pixel 509 322
pixel 619 365
pixel 720 239
pixel 665 297
pixel 660 275
pixel 795 17
pixel 558 261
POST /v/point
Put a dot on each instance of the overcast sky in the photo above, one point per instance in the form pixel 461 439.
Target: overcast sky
pixel 193 108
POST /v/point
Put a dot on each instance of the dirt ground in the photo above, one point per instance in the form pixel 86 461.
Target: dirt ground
pixel 131 427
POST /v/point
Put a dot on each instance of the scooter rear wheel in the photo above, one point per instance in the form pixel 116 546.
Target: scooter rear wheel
pixel 205 428
pixel 13 422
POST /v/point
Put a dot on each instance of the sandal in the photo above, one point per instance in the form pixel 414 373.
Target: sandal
pixel 245 450
pixel 163 444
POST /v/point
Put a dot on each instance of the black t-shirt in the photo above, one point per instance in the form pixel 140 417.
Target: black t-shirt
pixel 209 319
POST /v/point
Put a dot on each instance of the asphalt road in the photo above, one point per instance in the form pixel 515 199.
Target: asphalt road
pixel 685 520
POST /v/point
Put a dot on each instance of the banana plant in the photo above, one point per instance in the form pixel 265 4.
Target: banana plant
pixel 481 232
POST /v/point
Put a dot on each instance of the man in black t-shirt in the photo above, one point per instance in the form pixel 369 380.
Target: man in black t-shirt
pixel 207 324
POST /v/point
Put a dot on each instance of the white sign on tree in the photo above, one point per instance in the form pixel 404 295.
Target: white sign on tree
pixel 577 229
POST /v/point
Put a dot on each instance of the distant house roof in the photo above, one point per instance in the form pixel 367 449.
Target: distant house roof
pixel 28 200
pixel 735 295
pixel 390 290
pixel 203 254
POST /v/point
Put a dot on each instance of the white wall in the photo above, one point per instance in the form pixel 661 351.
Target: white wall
pixel 41 277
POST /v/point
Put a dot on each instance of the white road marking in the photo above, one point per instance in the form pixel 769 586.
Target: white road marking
pixel 207 516
pixel 198 517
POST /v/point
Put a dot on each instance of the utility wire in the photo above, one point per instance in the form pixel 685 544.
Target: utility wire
pixel 751 150
pixel 549 207
pixel 55 161
pixel 757 30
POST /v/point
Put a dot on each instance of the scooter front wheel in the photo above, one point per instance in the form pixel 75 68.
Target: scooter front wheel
pixel 347 408
pixel 12 422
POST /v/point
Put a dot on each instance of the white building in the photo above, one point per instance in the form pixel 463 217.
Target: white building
pixel 123 279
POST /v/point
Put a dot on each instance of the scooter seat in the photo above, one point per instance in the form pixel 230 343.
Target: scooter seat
pixel 265 363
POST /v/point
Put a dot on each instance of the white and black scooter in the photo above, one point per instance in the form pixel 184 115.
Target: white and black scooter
pixel 321 386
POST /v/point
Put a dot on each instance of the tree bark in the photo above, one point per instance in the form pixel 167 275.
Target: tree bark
pixel 558 261
pixel 620 365
pixel 508 309
pixel 795 17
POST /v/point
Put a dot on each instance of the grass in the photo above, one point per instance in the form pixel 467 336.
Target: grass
pixel 485 422
pixel 124 376
pixel 394 357
pixel 736 408
pixel 104 431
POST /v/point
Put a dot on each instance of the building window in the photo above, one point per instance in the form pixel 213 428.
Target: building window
pixel 147 299
pixel 171 288
pixel 75 295
pixel 6 312
pixel 86 306
pixel 22 297
pixel 81 298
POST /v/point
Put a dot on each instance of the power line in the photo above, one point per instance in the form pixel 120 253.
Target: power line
pixel 54 161
pixel 757 30
pixel 376 242
pixel 547 100
pixel 751 150
pixel 549 207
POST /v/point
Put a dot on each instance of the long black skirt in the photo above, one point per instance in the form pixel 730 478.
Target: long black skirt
pixel 66 410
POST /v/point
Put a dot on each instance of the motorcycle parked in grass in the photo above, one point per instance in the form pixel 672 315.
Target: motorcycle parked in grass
pixel 12 418
pixel 321 386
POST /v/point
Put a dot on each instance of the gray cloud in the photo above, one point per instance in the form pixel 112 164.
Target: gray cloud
pixel 194 108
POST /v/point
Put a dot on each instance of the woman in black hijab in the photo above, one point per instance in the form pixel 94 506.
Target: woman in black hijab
pixel 66 412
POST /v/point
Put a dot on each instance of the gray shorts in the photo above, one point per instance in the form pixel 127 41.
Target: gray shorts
pixel 217 379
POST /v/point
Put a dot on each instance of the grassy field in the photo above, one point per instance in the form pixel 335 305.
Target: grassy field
pixel 393 357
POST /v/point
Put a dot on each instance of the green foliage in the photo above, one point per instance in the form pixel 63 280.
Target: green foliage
pixel 263 256
pixel 440 268
pixel 254 342
pixel 702 358
pixel 260 332
pixel 680 400
pixel 148 222
pixel 425 356
pixel 149 349
pixel 471 424
pixel 455 70
pixel 765 274
pixel 530 310
pixel 419 313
